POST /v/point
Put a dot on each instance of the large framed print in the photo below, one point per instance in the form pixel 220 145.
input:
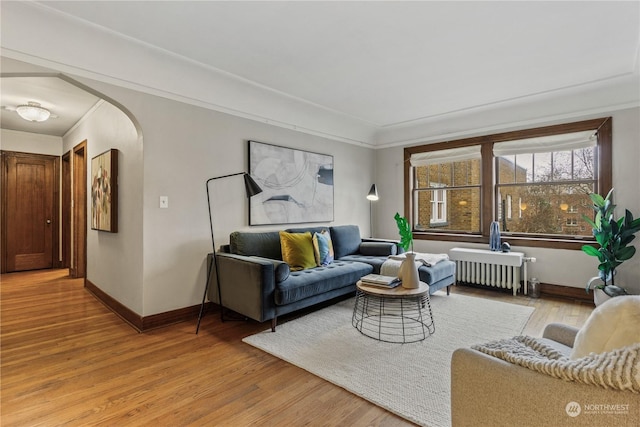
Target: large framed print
pixel 104 191
pixel 297 185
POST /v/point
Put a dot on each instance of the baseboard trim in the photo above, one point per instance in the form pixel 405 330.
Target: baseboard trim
pixel 145 323
pixel 126 314
pixel 170 317
pixel 565 292
pixel 546 289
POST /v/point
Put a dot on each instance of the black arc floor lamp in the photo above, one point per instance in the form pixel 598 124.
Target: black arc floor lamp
pixel 251 188
pixel 372 197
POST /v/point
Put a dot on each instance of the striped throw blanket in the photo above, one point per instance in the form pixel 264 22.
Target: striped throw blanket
pixel 618 369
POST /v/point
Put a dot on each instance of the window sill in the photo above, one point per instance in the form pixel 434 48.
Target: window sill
pixel 540 242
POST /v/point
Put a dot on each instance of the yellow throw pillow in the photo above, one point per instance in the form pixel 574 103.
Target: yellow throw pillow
pixel 297 250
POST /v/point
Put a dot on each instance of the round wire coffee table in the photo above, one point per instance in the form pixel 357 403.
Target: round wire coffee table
pixel 395 315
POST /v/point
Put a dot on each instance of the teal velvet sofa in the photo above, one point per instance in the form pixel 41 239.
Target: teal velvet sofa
pixel 255 282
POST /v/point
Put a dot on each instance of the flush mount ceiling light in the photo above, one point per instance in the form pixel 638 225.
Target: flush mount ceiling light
pixel 33 112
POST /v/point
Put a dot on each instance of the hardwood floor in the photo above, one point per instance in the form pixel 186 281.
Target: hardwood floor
pixel 68 360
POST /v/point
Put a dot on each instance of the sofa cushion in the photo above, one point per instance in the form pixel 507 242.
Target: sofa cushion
pixel 323 248
pixel 297 250
pixel 374 261
pixel 437 272
pixel 346 240
pixel 610 326
pixel 266 244
pixel 312 282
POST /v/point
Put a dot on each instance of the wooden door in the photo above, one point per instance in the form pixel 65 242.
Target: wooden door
pixel 30 211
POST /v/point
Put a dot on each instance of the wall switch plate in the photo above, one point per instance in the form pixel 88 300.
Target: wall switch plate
pixel 164 202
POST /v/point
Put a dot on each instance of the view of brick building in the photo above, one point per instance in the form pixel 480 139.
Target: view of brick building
pixel 527 202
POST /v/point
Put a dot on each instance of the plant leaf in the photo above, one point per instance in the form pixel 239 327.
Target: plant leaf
pixel 590 250
pixel 597 199
pixel 625 253
pixel 404 229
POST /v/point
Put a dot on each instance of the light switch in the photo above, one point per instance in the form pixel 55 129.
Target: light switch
pixel 164 202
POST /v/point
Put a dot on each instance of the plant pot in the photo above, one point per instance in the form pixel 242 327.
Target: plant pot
pixel 599 297
pixel 409 272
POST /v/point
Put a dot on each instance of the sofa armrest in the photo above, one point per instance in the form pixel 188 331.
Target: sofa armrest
pixel 281 268
pixel 486 391
pixel 558 332
pixel 247 285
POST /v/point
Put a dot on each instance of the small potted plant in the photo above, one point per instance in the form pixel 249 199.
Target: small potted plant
pixel 408 270
pixel 613 238
pixel 404 229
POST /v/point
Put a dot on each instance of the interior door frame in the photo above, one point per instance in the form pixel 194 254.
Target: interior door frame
pixel 55 217
pixel 79 211
pixel 67 210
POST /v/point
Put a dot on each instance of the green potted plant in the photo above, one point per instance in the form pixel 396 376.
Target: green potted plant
pixel 613 238
pixel 408 271
pixel 406 236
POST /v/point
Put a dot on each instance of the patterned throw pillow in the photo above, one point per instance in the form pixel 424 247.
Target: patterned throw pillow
pixel 323 248
pixel 297 250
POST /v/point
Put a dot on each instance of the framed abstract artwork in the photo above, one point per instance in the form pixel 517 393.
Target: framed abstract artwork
pixel 297 185
pixel 104 191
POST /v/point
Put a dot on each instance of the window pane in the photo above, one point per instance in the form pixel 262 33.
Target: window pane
pixel 524 166
pixel 449 174
pixel 542 167
pixel 448 210
pixel 584 163
pixel 466 173
pixel 515 169
pixel 506 169
pixel 562 166
pixel 548 209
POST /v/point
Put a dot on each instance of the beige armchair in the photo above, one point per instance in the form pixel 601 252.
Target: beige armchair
pixel 487 391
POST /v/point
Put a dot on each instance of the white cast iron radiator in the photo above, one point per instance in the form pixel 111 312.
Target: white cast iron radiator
pixel 489 268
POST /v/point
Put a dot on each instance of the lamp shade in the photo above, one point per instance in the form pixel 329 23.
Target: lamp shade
pixel 33 112
pixel 373 193
pixel 251 187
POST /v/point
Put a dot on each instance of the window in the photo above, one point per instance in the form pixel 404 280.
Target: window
pixel 572 222
pixel 535 182
pixel 447 190
pixel 438 204
pixel 549 174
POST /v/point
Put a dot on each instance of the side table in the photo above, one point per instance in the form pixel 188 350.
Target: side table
pixel 395 315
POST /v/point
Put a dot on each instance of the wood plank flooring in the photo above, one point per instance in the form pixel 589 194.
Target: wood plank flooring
pixel 67 360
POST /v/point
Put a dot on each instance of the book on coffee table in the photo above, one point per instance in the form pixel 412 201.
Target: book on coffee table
pixel 379 280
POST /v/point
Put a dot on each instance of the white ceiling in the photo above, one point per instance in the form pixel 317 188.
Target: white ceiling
pixel 392 63
pixel 67 103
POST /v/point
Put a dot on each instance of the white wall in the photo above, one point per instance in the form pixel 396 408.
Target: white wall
pixel 26 142
pixel 114 260
pixel 74 46
pixel 555 266
pixel 184 145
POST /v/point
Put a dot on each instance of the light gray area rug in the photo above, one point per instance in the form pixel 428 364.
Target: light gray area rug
pixel 410 380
